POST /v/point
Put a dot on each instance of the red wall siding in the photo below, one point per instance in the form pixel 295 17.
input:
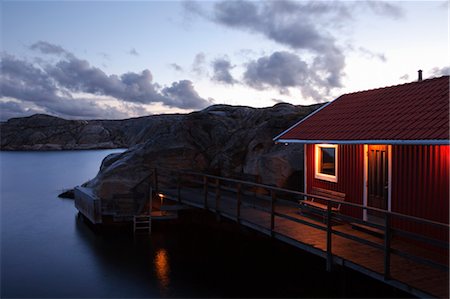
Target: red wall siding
pixel 420 183
pixel 350 175
pixel 420 186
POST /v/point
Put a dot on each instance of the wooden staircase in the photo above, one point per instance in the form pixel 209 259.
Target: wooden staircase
pixel 142 224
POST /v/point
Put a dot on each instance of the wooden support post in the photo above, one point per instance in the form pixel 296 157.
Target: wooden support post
pixel 150 201
pixel 218 196
pixel 272 210
pixel 387 246
pixel 238 203
pixel 329 238
pixel 179 187
pixel 155 180
pixel 205 192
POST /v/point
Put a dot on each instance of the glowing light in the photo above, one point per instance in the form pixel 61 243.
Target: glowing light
pixel 161 197
pixel 326 158
pixel 162 268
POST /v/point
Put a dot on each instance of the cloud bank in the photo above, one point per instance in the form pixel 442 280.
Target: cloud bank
pixel 315 61
pixel 51 87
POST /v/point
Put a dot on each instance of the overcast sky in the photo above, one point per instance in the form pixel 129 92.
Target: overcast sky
pixel 118 59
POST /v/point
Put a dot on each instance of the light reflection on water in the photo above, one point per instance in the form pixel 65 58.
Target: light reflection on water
pixel 162 268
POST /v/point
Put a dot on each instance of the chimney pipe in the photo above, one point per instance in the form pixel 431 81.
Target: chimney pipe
pixel 420 75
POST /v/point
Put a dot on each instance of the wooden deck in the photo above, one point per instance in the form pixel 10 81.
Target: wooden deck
pixel 335 241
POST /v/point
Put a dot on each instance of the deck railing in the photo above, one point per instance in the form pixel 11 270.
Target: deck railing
pixel 268 197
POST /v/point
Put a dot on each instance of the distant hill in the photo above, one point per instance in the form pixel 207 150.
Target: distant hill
pixel 45 132
pixel 221 139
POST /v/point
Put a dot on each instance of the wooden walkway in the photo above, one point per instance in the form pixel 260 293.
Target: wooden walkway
pixel 336 241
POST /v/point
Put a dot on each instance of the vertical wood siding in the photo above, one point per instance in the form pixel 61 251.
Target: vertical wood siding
pixel 420 186
pixel 420 183
pixel 350 175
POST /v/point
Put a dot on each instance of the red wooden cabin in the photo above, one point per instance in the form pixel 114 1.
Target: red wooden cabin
pixel 386 148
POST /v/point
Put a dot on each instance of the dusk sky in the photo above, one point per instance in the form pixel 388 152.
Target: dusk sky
pixel 119 59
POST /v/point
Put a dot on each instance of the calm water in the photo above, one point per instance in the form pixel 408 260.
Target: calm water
pixel 47 251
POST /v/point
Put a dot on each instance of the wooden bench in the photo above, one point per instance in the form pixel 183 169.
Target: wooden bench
pixel 319 205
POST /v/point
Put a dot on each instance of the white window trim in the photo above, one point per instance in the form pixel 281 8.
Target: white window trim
pixel 323 176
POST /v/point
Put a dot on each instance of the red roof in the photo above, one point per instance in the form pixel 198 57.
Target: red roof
pixel 415 112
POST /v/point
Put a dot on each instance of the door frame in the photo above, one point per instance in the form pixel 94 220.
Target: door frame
pixel 366 178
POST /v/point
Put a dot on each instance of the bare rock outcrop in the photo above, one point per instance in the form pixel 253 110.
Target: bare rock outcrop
pixel 224 140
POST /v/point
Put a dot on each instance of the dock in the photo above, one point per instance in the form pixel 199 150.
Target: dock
pixel 417 264
pixel 396 258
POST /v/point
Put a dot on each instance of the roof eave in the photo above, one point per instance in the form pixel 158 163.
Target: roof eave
pixel 380 141
pixel 302 120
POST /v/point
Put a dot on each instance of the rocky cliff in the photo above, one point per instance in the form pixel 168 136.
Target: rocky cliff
pixel 224 140
pixel 220 139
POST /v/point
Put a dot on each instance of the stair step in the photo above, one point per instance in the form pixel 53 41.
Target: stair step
pixel 142 223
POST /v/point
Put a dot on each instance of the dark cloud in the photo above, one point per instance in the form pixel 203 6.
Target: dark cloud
pixel 372 55
pixel 282 21
pixel 133 52
pixel 284 70
pixel 293 24
pixel 22 80
pixel 183 95
pixel 440 71
pixel 192 8
pixel 78 75
pixel 305 27
pixel 33 87
pixel 404 77
pixel 48 48
pixel 198 66
pixel 176 67
pixel 50 87
pixel 221 68
pixel 281 69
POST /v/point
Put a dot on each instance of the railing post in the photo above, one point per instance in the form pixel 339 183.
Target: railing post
pixel 179 187
pixel 205 192
pixel 272 210
pixel 329 238
pixel 218 196
pixel 155 179
pixel 387 246
pixel 150 201
pixel 238 203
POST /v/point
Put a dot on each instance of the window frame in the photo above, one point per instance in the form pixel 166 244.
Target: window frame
pixel 324 176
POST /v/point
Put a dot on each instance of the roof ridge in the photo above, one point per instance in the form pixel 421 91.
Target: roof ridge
pixel 397 85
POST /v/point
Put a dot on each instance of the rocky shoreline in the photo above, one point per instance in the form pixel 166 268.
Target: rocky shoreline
pixel 220 139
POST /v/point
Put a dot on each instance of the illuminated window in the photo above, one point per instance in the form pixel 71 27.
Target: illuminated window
pixel 326 162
